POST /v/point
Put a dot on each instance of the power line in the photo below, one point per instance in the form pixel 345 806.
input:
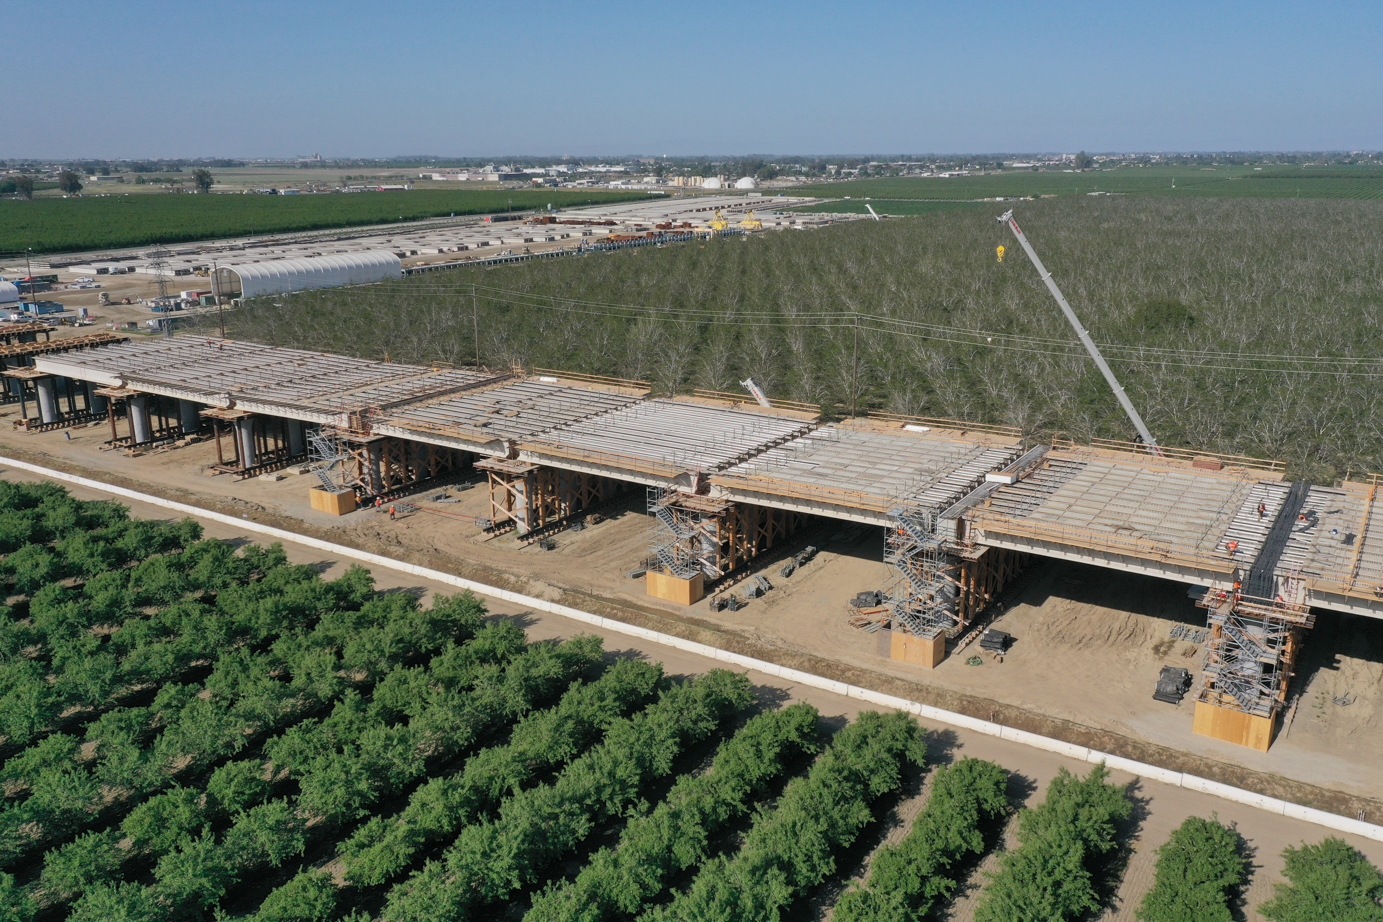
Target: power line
pixel 1342 366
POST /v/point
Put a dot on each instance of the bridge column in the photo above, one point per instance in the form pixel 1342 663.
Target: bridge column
pixel 187 416
pixel 48 409
pixel 297 442
pixel 140 427
pixel 245 442
pixel 96 403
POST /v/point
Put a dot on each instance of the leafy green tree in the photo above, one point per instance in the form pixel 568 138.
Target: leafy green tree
pixel 69 182
pixel 1199 871
pixel 309 897
pixel 23 186
pixel 908 880
pixel 1083 161
pixel 85 861
pixel 1051 875
pixel 201 178
pixel 32 567
pixel 15 903
pixel 1328 880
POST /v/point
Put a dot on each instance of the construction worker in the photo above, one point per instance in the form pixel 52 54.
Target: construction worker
pixel 391 514
pixel 1232 547
pixel 379 503
pixel 1262 511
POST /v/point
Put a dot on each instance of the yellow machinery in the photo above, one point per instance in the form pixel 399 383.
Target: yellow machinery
pixel 751 223
pixel 719 224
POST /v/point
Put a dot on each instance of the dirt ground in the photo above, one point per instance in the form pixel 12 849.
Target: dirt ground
pixel 1158 808
pixel 1088 643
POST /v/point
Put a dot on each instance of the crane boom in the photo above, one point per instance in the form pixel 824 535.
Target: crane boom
pixel 1138 424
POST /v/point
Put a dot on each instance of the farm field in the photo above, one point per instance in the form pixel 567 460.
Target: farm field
pixel 1241 326
pixel 163 823
pixel 1333 182
pixel 51 225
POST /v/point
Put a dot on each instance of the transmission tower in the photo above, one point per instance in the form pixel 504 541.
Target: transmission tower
pixel 158 262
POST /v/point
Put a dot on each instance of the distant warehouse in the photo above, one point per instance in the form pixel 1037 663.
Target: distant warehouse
pixel 284 275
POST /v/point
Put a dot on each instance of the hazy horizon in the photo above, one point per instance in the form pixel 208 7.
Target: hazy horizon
pixel 255 80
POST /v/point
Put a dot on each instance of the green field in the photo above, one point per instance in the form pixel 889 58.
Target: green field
pixel 51 225
pixel 1353 182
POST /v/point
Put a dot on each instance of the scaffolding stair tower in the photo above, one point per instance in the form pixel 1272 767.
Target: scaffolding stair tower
pixel 1255 630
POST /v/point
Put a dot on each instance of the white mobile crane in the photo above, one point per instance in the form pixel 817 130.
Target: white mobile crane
pixel 1143 434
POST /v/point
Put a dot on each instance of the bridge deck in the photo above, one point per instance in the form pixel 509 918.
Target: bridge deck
pixel 1117 509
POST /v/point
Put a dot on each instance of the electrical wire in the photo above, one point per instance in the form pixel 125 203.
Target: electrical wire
pixel 1212 360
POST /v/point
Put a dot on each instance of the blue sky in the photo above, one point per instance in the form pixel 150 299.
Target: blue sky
pixel 267 79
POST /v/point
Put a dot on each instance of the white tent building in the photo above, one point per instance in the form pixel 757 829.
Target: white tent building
pixel 283 275
pixel 9 292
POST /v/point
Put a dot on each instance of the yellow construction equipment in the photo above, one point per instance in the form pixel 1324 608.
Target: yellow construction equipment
pixel 719 224
pixel 751 223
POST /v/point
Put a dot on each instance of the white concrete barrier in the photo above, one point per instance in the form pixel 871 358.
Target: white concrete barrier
pixel 924 711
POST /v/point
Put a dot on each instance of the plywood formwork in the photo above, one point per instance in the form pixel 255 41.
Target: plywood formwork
pixel 308 386
pixel 1138 513
pixel 493 418
pixel 333 502
pixel 1233 726
pixel 857 469
pixel 655 440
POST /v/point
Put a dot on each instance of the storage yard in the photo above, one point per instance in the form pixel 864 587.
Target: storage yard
pixel 575 483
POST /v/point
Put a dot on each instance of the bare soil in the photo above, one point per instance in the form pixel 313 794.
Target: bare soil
pixel 1088 643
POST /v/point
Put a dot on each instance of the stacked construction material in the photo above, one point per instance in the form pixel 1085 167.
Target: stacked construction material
pixel 995 641
pixel 871 599
pixel 1172 685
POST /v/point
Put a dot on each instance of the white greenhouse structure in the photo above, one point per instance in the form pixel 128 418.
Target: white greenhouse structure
pixel 279 276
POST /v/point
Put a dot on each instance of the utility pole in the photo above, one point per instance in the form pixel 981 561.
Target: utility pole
pixel 29 271
pixel 475 318
pixel 216 292
pixel 855 367
pixel 1084 336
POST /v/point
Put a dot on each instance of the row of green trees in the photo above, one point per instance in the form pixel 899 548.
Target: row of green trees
pixel 490 860
pixel 206 863
pixel 681 832
pixel 960 822
pixel 793 847
pixel 1055 872
pixel 382 848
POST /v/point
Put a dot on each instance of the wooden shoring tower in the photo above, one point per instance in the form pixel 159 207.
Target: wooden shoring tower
pixel 983 577
pixel 533 496
pixel 700 534
pixel 248 444
pixel 378 465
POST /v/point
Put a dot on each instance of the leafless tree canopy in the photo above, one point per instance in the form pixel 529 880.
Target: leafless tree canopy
pixel 1217 312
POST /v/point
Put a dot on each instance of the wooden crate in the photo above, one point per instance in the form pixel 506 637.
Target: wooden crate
pixel 917 650
pixel 337 502
pixel 1234 726
pixel 674 589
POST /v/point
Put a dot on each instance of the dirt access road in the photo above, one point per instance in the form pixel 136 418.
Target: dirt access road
pixel 1159 808
pixel 1089 644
